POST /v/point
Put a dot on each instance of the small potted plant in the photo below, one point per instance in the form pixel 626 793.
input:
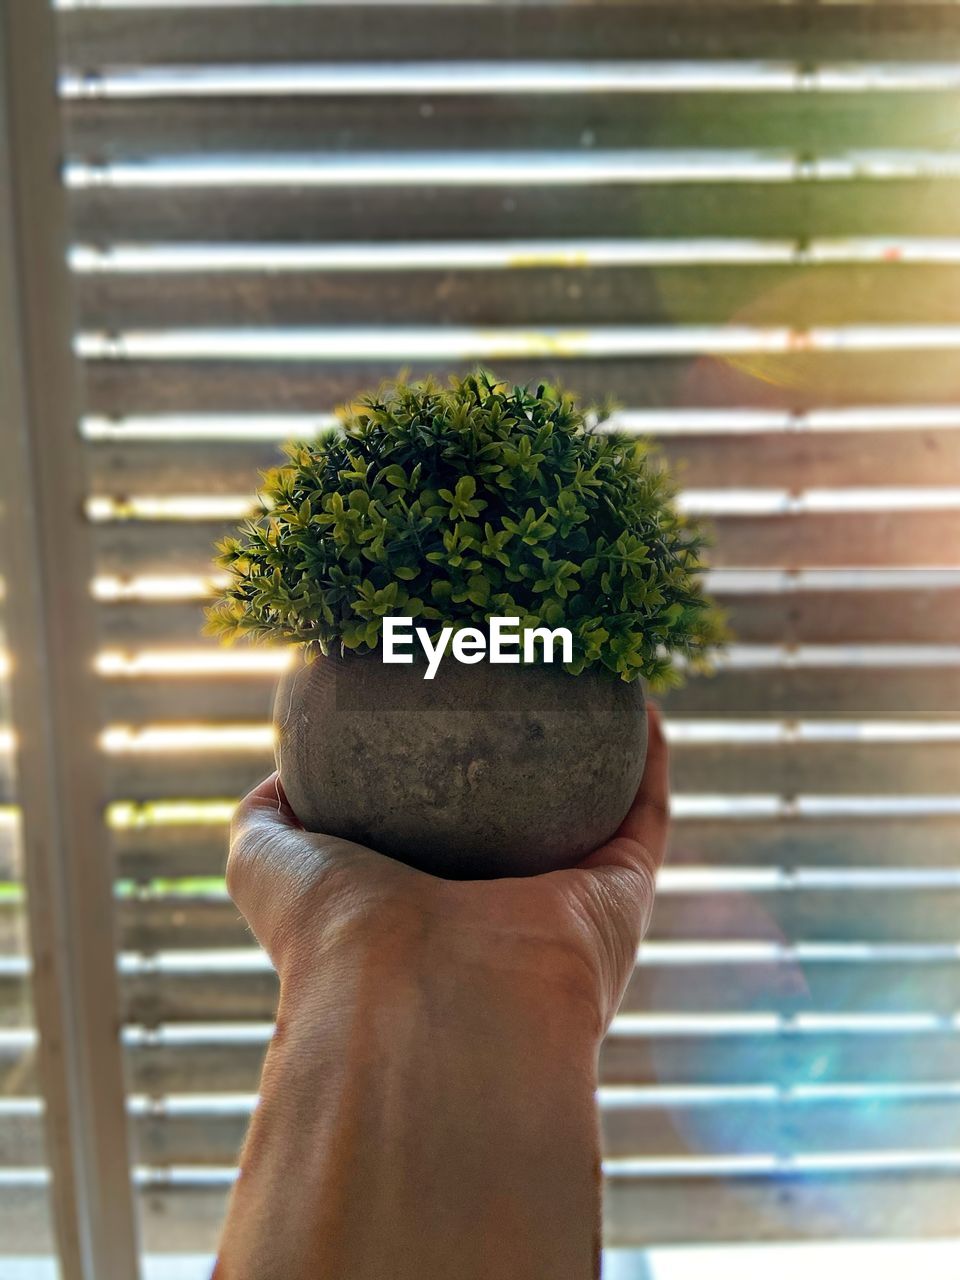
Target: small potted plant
pixel 430 557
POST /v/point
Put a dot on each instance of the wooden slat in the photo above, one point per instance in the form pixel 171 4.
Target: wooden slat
pixel 789 986
pixel 173 851
pixel 787 381
pixel 810 122
pixel 880 916
pixel 789 1127
pixel 177 1219
pixel 200 996
pixel 903 615
pixel 852 768
pixel 182 1218
pixel 16 1005
pixel 541 32
pixel 833 539
pixel 798 295
pixel 884 841
pixel 119 468
pixel 163 924
pixel 869 539
pixel 787 1057
pixel 10 856
pixel 196 1140
pixel 133 624
pixel 22 1143
pixel 18 1070
pixel 644 1211
pixel 847 207
pixel 204 1065
pixel 186 774
pixel 785 459
pixel 25 1220
pixel 185 851
pixel 13 941
pixel 914 615
pixel 844 693
pixel 832 693
pixel 202 697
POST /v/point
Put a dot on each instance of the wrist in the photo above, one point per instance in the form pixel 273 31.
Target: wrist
pixel 471 1129
pixel 406 984
pixel 456 1106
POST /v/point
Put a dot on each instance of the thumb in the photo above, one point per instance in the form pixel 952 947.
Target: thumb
pixel 278 872
pixel 618 880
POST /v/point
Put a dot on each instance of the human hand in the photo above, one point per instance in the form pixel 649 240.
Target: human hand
pixel 427 1106
pixel 316 902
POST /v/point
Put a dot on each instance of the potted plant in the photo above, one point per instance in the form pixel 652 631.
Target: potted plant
pixel 497 527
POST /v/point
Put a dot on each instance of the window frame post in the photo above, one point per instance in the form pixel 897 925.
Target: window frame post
pixel 51 627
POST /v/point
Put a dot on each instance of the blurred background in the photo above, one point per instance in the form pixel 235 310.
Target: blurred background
pixel 740 220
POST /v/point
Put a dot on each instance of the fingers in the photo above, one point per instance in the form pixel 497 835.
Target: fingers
pixel 640 842
pixel 274 859
pixel 648 822
pixel 267 800
pixel 271 856
pixel 618 883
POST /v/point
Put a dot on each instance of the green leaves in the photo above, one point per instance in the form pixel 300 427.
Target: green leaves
pixel 530 528
pixel 557 576
pixel 463 505
pixel 457 504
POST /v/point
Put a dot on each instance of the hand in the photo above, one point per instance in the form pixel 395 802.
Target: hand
pixel 563 943
pixel 428 1102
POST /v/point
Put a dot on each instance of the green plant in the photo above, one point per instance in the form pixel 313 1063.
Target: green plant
pixel 456 504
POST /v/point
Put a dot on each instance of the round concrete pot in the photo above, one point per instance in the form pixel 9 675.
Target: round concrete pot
pixel 486 770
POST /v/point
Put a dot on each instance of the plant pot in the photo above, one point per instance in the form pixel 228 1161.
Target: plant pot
pixel 486 770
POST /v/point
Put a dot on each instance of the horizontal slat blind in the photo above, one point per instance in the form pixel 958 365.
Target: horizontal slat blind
pixel 738 219
pixel 800 33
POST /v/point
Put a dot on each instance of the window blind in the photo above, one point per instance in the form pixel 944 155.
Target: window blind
pixel 739 220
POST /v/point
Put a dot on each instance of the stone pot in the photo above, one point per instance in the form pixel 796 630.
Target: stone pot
pixel 486 770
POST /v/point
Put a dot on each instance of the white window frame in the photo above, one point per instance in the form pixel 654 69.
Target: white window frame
pixel 51 630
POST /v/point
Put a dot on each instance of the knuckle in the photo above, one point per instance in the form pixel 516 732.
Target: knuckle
pixel 240 821
pixel 233 872
pixel 240 856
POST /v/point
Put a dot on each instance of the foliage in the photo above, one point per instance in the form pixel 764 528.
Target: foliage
pixel 451 505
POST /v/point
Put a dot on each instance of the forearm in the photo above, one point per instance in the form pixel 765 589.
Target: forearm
pixel 408 1128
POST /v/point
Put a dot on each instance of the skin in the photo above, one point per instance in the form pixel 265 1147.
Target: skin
pixel 427 1106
